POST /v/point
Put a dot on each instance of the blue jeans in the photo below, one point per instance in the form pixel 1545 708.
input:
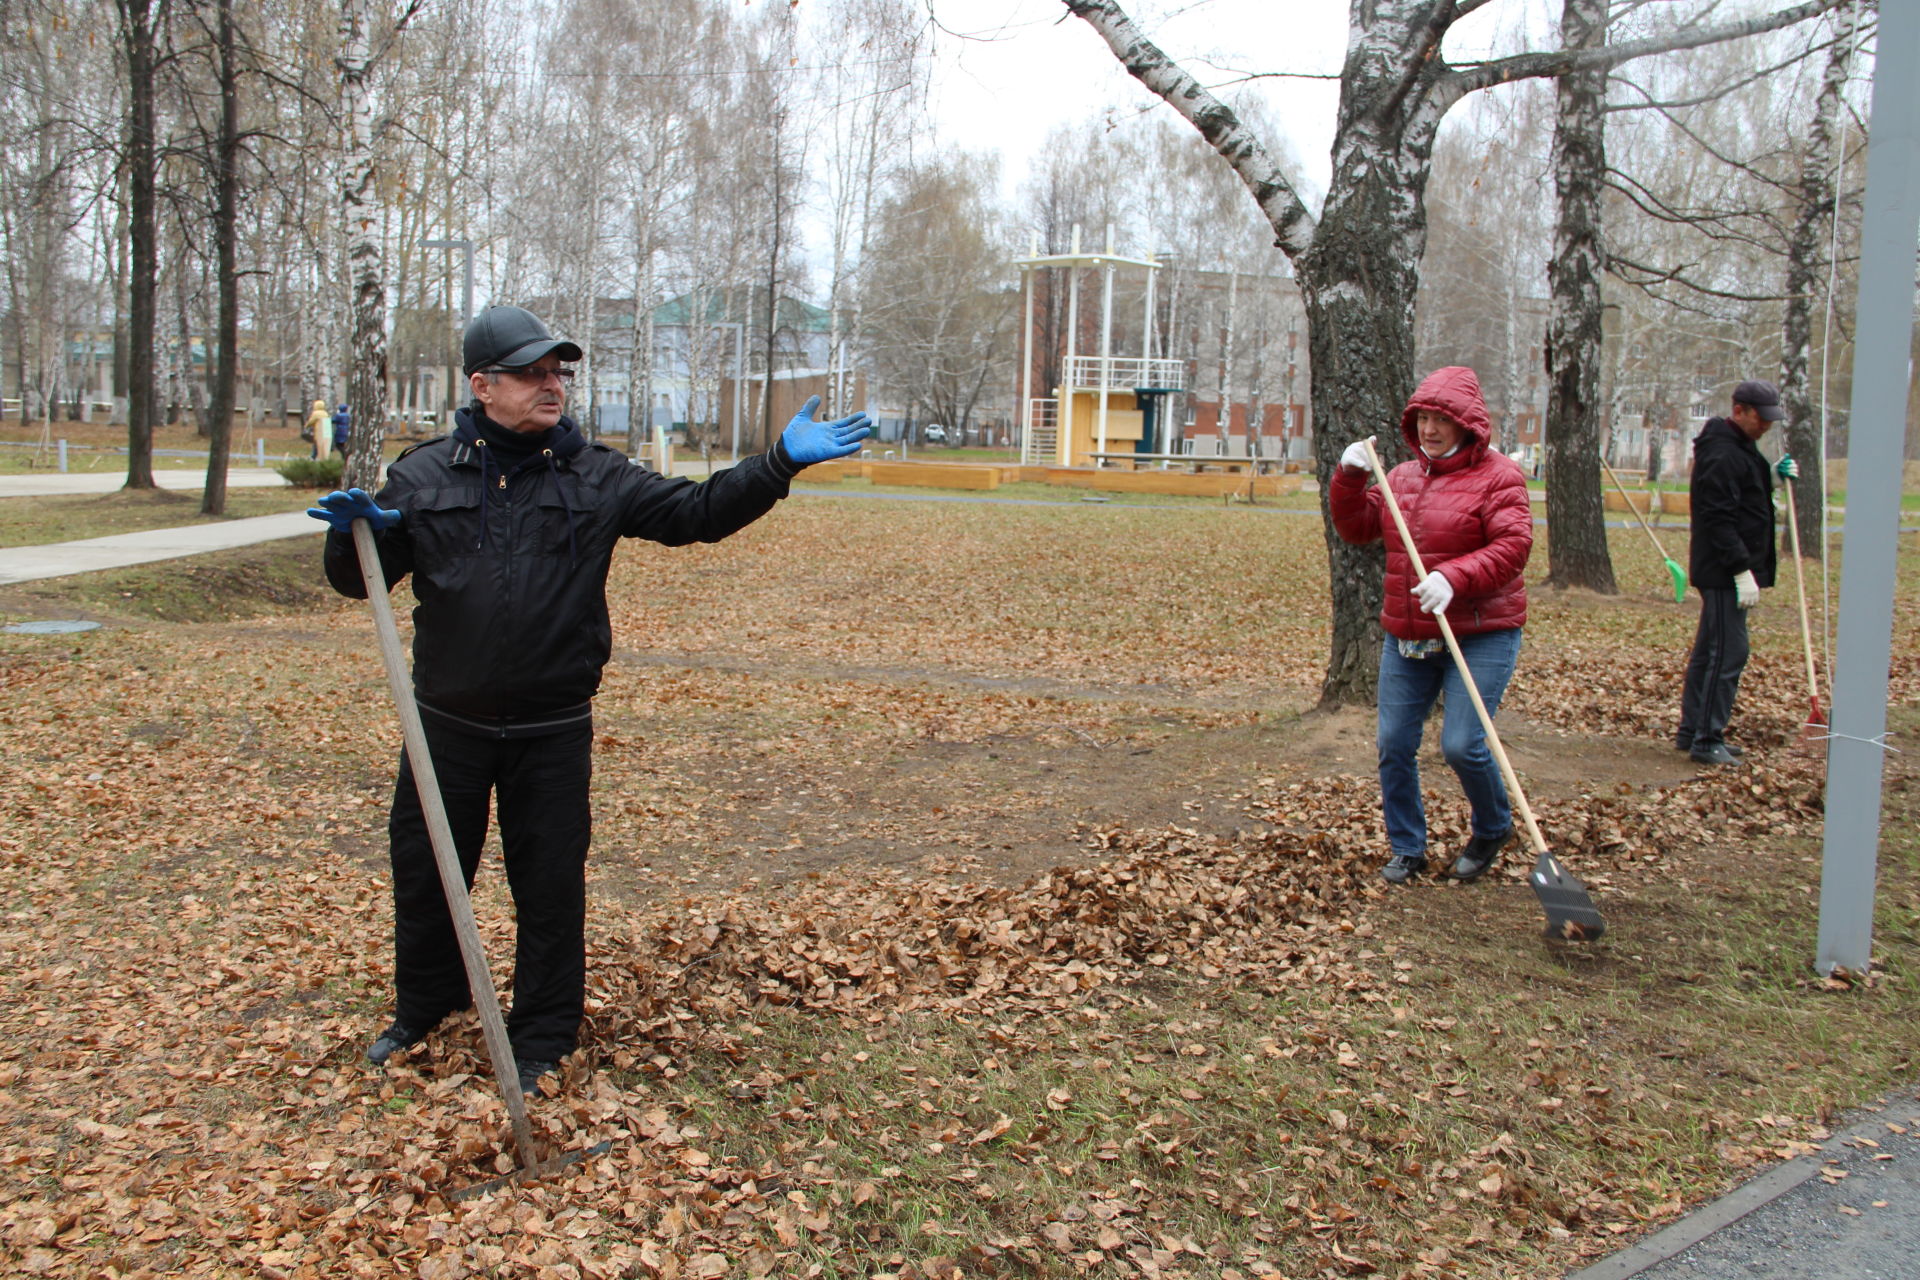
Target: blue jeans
pixel 1408 689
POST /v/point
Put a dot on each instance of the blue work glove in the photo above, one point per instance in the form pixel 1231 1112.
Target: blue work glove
pixel 340 510
pixel 1787 468
pixel 807 441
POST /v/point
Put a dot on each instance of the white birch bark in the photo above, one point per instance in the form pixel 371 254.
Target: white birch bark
pixel 1804 430
pixel 360 215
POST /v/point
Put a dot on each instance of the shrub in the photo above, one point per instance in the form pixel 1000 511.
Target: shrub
pixel 312 473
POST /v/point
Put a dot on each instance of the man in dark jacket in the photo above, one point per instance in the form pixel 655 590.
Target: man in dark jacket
pixel 508 527
pixel 1731 558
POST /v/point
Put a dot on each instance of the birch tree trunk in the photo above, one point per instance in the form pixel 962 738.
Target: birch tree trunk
pixel 360 214
pixel 1577 543
pixel 137 21
pixel 1806 257
pixel 226 200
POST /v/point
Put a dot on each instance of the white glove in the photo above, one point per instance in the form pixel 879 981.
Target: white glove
pixel 1356 455
pixel 1435 593
pixel 1746 592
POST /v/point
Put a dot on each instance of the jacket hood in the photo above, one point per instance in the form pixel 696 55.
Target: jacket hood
pixel 1454 391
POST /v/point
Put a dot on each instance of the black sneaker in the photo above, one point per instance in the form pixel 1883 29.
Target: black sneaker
pixel 391 1041
pixel 1714 753
pixel 531 1073
pixel 1403 867
pixel 1479 856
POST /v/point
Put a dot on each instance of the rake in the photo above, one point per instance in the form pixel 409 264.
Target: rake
pixel 1815 727
pixel 1674 570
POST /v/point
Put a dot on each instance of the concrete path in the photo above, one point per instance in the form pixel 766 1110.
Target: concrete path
pixel 43 484
pixel 1849 1212
pixel 116 551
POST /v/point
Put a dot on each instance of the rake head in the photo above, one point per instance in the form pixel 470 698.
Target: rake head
pixel 1679 577
pixel 1571 915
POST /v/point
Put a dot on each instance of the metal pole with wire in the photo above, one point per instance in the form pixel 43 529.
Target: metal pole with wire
pixel 1883 331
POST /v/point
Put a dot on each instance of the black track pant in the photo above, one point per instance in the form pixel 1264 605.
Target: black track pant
pixel 541 787
pixel 1713 671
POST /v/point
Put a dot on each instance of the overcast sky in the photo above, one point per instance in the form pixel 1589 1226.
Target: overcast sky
pixel 1008 71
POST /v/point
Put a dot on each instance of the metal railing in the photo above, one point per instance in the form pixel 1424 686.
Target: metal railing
pixel 1124 373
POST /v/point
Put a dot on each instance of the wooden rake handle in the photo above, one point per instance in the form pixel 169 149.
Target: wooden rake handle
pixel 1800 587
pixel 1460 661
pixel 452 880
pixel 1631 507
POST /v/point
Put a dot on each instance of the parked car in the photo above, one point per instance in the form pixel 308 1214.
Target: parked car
pixel 935 433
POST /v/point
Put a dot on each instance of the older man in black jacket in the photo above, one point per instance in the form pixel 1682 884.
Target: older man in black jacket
pixel 508 527
pixel 1731 558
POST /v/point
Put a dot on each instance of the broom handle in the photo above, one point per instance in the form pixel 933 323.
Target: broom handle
pixel 1460 661
pixel 1660 550
pixel 1800 584
pixel 452 880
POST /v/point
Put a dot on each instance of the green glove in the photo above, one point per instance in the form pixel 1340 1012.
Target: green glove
pixel 1787 468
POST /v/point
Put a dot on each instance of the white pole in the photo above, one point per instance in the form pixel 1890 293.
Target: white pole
pixel 259 452
pixel 1106 341
pixel 662 447
pixel 1063 417
pixel 1856 750
pixel 1028 279
pixel 739 383
pixel 63 453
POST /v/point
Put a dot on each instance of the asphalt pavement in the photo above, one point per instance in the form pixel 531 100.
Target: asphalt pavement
pixel 1850 1211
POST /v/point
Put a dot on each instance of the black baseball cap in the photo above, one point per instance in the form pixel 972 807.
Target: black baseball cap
pixel 1762 397
pixel 509 338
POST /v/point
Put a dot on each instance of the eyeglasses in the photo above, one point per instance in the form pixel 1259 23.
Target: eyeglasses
pixel 537 376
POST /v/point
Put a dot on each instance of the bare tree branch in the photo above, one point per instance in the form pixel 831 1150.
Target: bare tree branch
pixel 1287 213
pixel 1527 66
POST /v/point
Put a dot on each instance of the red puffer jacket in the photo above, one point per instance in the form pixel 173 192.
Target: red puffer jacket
pixel 1467 512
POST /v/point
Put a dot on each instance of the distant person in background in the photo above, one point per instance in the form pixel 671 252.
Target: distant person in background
pixel 342 427
pixel 1731 557
pixel 318 428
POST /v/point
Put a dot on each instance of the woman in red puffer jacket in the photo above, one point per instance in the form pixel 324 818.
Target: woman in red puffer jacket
pixel 1466 508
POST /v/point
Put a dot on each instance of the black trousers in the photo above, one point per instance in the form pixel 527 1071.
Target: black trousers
pixel 1713 670
pixel 540 784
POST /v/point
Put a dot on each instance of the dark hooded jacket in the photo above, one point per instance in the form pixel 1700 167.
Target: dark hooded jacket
pixel 1732 506
pixel 509 538
pixel 1468 513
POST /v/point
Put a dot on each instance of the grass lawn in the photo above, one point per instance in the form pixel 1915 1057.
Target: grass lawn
pixel 976 891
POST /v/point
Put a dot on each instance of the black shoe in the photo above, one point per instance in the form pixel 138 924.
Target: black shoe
pixel 530 1074
pixel 1479 855
pixel 395 1038
pixel 1734 749
pixel 1714 753
pixel 1403 867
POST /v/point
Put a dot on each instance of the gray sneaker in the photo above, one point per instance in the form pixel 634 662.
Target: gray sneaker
pixel 1403 867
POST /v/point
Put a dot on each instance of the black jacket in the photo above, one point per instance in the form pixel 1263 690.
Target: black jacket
pixel 509 548
pixel 1732 508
